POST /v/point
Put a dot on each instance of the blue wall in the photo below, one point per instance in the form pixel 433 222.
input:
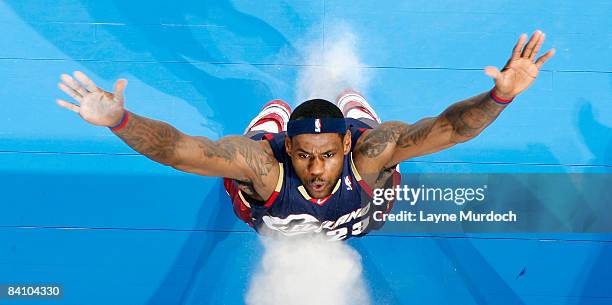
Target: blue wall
pixel 82 209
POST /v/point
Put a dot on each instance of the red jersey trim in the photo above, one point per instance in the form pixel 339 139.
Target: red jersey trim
pixel 242 207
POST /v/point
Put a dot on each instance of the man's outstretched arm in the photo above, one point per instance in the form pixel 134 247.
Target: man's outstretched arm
pixel 458 123
pixel 393 142
pixel 233 157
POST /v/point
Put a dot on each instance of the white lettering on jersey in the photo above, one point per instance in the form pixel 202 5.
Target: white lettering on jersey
pixel 292 225
pixel 296 224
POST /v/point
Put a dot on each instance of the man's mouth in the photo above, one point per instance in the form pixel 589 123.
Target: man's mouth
pixel 318 186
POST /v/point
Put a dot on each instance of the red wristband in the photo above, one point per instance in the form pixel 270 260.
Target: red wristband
pixel 498 99
pixel 122 122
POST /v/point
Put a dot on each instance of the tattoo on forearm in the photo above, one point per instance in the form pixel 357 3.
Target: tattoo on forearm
pixel 411 135
pixel 152 138
pixel 461 121
pixel 159 141
pixel 470 117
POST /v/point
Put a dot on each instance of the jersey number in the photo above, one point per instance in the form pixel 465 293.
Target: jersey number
pixel 341 233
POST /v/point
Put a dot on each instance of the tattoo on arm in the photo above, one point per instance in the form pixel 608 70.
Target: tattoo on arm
pixel 154 139
pixel 468 118
pixel 376 141
pixel 228 148
pixel 401 134
pixel 458 123
pixel 162 143
pixel 415 134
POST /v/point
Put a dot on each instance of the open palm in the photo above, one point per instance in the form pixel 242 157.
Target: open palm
pixel 522 68
pixel 95 105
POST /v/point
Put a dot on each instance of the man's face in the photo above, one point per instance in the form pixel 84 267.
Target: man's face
pixel 318 160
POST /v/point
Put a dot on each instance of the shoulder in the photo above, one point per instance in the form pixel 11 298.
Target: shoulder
pixel 263 171
pixel 374 142
pixel 375 147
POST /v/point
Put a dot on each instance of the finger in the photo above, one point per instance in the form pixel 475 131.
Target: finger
pixel 535 51
pixel 493 72
pixel 531 44
pixel 89 84
pixel 516 52
pixel 119 88
pixel 545 57
pixel 69 106
pixel 75 95
pixel 73 84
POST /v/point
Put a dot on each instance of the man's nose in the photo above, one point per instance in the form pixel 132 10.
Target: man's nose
pixel 316 167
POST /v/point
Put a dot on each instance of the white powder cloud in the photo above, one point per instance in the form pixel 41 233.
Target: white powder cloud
pixel 308 270
pixel 332 64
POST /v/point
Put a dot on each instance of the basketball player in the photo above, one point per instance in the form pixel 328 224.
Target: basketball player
pixel 313 169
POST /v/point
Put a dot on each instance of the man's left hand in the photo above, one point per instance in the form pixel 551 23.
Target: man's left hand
pixel 521 69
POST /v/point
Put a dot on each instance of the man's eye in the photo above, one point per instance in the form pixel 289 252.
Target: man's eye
pixel 328 155
pixel 303 156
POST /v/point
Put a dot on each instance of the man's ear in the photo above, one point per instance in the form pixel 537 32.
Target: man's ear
pixel 288 145
pixel 347 142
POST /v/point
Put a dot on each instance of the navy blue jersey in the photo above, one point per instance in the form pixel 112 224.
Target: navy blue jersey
pixel 346 212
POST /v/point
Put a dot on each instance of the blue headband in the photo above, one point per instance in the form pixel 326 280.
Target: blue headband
pixel 315 126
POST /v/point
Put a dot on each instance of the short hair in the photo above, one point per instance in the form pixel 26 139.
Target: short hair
pixel 317 109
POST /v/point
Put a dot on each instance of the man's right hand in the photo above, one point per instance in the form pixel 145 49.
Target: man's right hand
pixel 95 105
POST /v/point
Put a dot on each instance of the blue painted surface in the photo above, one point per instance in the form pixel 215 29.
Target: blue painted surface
pixel 157 236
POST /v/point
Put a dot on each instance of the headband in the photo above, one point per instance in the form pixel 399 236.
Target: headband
pixel 315 126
